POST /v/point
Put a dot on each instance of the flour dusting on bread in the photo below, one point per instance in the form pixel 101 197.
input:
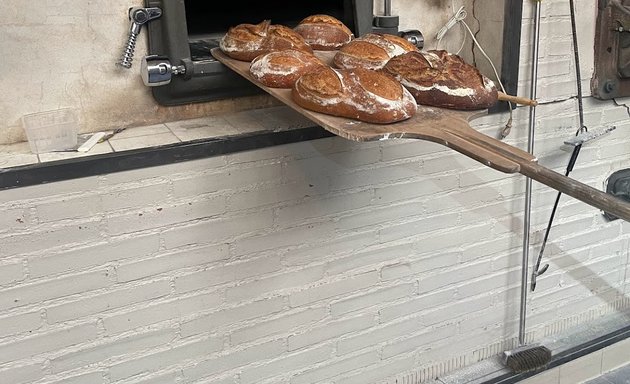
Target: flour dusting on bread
pixel 459 92
pixel 442 79
pixel 371 51
pixel 247 41
pixel 324 32
pixel 281 69
pixel 359 94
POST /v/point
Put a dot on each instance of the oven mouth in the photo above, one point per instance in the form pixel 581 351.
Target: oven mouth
pixel 182 39
pixel 205 30
pixel 187 31
pixel 200 20
pixel 200 47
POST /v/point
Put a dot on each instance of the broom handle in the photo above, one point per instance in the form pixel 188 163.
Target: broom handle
pixel 528 182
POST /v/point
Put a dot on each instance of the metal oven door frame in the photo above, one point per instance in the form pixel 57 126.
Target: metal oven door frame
pixel 208 80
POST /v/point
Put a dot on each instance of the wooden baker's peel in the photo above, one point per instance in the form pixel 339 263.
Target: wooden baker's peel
pixel 452 129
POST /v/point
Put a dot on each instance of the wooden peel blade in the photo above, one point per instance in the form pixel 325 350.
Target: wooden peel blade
pixel 452 129
pixel 422 126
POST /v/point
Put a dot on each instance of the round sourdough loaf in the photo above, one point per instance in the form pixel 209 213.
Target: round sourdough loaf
pixel 359 94
pixel 247 41
pixel 323 32
pixel 442 79
pixel 281 69
pixel 371 51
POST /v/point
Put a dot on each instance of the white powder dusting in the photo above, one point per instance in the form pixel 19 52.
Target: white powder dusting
pixel 390 48
pixel 432 58
pixel 347 62
pixel 251 46
pixel 376 102
pixel 321 41
pixel 488 84
pixel 459 92
pixel 316 36
pixel 371 104
pixel 263 67
pixel 396 51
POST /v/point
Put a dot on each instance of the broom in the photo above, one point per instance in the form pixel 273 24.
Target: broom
pixel 531 357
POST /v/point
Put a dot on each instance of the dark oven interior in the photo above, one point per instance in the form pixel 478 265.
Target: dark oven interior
pixel 180 41
pixel 202 18
pixel 188 29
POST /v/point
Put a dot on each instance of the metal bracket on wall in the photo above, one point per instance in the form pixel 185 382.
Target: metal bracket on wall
pixel 612 50
pixel 618 184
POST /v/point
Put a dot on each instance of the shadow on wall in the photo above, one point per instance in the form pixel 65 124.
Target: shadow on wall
pixel 576 268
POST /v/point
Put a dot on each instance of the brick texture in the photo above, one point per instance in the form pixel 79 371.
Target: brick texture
pixel 320 262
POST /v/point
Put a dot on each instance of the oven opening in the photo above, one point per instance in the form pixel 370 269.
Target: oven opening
pixel 206 25
pixel 189 30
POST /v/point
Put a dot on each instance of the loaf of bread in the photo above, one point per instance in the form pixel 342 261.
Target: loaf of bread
pixel 372 51
pixel 442 79
pixel 247 41
pixel 281 69
pixel 359 94
pixel 323 32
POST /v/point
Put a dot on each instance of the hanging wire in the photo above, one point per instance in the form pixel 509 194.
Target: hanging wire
pixel 459 17
pixel 538 271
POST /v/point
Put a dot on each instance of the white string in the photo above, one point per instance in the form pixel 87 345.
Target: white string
pixel 508 125
pixel 461 47
pixel 483 53
pixel 459 17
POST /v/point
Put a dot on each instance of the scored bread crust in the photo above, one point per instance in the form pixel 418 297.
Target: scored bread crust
pixel 323 32
pixel 359 94
pixel 281 69
pixel 244 41
pixel 442 79
pixel 281 37
pixel 372 51
pixel 247 41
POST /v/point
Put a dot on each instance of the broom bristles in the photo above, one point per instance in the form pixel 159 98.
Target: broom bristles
pixel 527 358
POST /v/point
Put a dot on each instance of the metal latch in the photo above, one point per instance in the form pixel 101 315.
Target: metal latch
pixel 138 16
pixel 158 70
pixel 618 184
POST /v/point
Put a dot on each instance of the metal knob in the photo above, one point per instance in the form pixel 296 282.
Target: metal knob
pixel 413 36
pixel 138 16
pixel 157 70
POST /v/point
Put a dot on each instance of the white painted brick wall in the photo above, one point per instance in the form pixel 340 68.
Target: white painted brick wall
pixel 92 255
pixel 23 374
pixel 87 305
pixel 51 289
pixel 326 261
